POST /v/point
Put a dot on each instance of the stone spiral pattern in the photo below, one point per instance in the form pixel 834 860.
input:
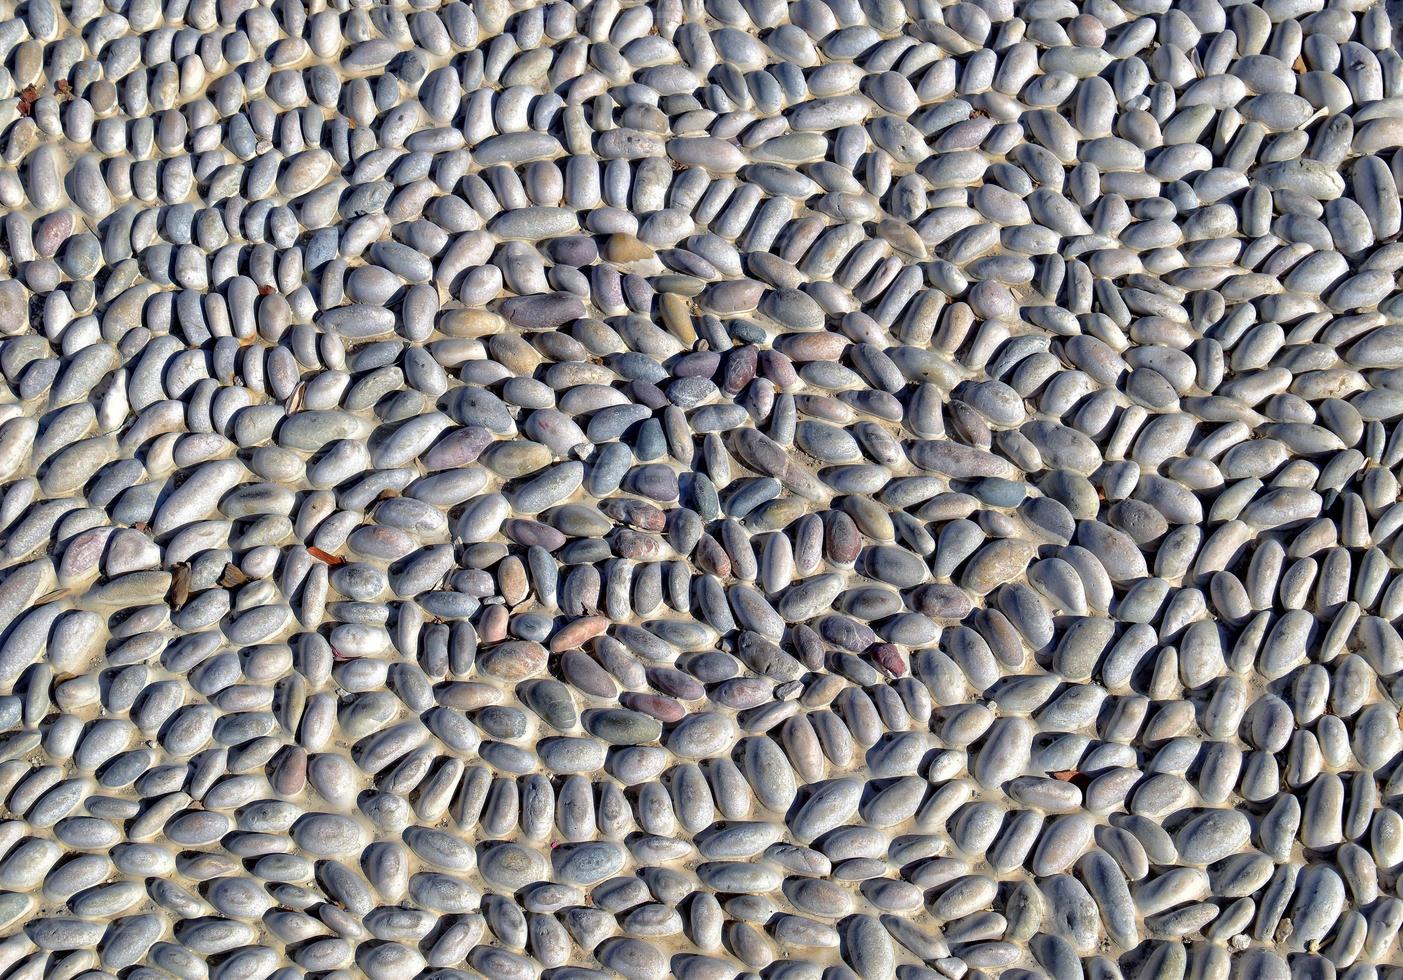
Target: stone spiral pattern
pixel 832 489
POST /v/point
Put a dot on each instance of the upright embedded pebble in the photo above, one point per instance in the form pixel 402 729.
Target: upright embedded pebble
pixel 844 488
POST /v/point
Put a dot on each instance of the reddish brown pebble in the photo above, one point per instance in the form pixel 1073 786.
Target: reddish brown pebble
pixel 779 369
pixel 841 539
pixel 577 634
pixel 665 710
pixel 809 646
pixel 636 513
pixel 512 581
pixel 514 660
pixel 290 776
pixel 492 627
pixel 711 557
pixel 740 370
pixel 530 534
pixel 824 346
pixel 467 695
pixel 740 693
pixel 887 657
pixel 635 544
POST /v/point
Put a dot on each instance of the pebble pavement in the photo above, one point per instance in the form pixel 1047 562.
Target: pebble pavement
pixel 704 488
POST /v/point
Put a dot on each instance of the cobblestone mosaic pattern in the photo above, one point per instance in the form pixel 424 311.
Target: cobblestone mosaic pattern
pixel 882 489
